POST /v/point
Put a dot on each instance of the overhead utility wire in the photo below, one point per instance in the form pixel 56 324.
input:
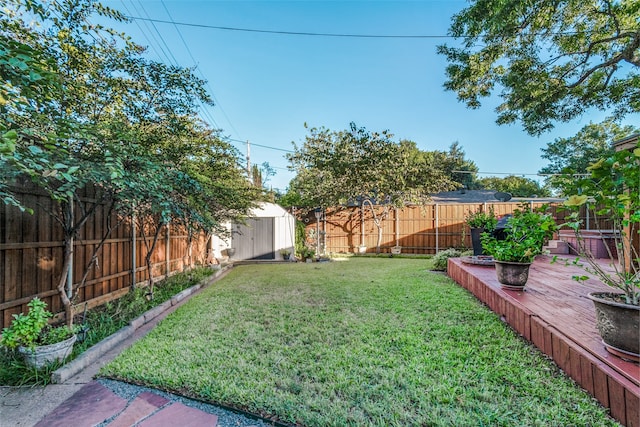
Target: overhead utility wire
pixel 521 174
pixel 195 63
pixel 168 54
pixel 300 33
pixel 253 144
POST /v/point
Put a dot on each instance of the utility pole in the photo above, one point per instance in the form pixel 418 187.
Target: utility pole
pixel 249 160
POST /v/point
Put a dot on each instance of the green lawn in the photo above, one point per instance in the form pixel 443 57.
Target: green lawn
pixel 365 341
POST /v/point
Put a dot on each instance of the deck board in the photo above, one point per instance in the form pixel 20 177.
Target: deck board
pixel 555 314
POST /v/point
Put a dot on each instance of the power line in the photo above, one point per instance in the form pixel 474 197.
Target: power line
pixel 300 33
pixel 522 174
pixel 195 63
pixel 253 144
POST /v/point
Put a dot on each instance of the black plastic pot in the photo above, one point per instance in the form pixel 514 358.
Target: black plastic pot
pixel 475 241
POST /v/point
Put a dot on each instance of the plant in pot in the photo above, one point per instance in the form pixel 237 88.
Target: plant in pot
pixel 39 343
pixel 611 195
pixel 307 254
pixel 480 222
pixel 285 253
pixel 515 249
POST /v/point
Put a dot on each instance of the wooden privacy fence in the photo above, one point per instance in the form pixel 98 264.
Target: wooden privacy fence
pixel 424 229
pixel 32 247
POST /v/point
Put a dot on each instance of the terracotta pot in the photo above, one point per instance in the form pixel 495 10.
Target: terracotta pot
pixel 618 324
pixel 512 275
pixel 45 354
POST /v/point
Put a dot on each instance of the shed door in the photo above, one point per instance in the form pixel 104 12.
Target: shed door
pixel 254 240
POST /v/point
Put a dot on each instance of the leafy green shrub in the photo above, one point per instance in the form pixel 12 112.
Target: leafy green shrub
pixel 440 259
pixel 526 233
pixel 480 219
pixel 31 329
pixel 100 323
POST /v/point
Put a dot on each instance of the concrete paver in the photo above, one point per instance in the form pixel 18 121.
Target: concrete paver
pixel 178 414
pixel 142 406
pixel 91 405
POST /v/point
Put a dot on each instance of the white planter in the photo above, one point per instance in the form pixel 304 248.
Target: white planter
pixel 396 250
pixel 362 249
pixel 45 354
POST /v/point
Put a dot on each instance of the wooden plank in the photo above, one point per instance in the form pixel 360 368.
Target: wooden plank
pixel 632 405
pixel 537 334
pixel 617 403
pixel 575 371
pixel 586 374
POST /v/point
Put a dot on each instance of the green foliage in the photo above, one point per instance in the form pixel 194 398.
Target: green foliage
pixel 307 253
pixel 526 233
pixel 30 330
pixel 82 108
pixel 301 237
pixel 100 323
pixel 611 193
pixel 441 258
pixel 569 156
pixel 336 167
pixel 548 60
pixel 481 219
pixel 517 186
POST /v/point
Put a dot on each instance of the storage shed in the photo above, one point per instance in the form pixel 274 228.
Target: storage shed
pixel 268 230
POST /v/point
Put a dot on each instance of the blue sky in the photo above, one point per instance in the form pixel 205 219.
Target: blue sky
pixel 266 86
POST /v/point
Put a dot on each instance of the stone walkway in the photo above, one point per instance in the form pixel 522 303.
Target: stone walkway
pixel 94 404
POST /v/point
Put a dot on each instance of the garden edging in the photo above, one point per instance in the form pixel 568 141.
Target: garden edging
pixel 70 369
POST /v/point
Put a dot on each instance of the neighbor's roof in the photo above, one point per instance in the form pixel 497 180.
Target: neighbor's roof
pixel 482 196
pixel 628 142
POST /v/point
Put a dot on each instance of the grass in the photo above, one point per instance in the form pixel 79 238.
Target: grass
pixel 102 322
pixel 361 342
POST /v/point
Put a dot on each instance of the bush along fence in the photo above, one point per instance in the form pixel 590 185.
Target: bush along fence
pixel 32 248
pixel 424 229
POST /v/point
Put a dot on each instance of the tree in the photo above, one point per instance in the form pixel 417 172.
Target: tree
pixel 517 186
pixel 552 59
pixel 334 168
pixel 455 165
pixel 82 109
pixel 572 156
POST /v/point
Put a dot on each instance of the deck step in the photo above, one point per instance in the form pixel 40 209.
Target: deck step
pixel 557 247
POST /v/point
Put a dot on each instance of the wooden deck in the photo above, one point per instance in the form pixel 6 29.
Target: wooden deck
pixel 555 314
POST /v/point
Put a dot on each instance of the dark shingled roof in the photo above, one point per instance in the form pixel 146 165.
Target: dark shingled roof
pixel 481 196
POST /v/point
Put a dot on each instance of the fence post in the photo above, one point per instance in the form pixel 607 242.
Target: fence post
pixel 437 217
pixel 134 244
pixel 71 255
pixel 167 251
pixel 397 227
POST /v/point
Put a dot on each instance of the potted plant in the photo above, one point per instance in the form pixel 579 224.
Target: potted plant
pixel 285 253
pixel 307 254
pixel 524 236
pixel 480 222
pixel 32 337
pixel 612 193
